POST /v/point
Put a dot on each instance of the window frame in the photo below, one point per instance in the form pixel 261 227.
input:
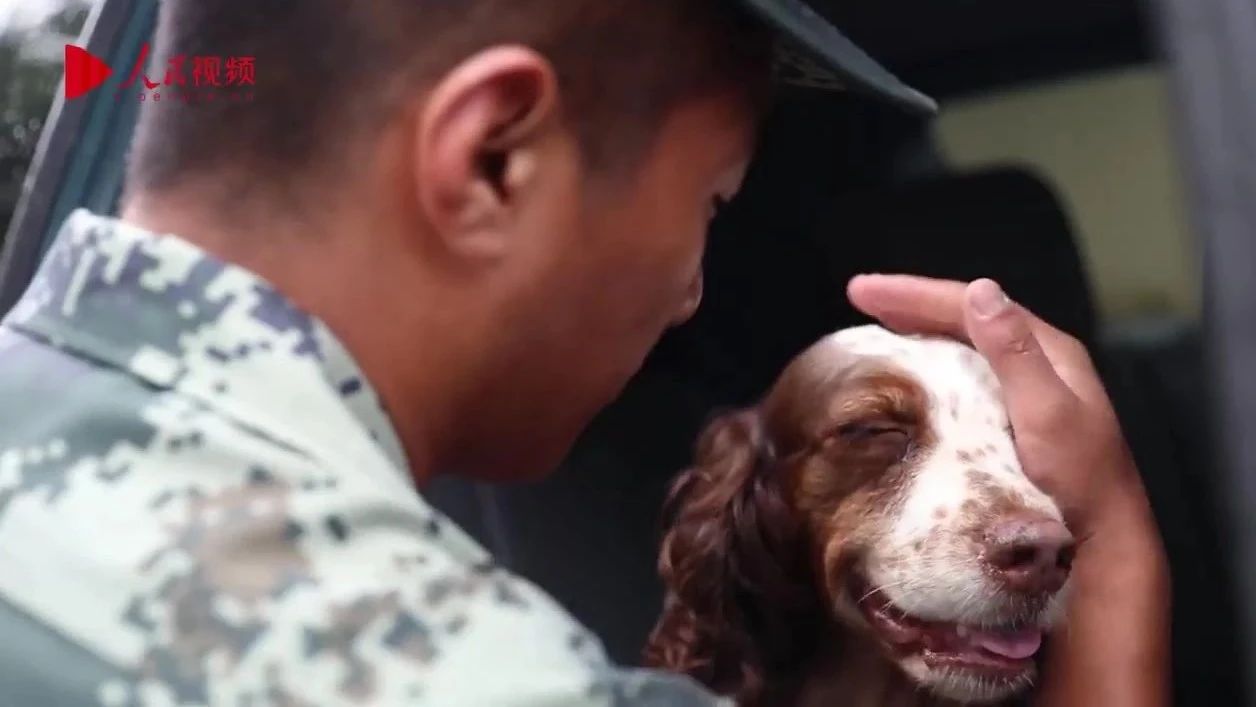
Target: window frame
pixel 79 159
pixel 1211 45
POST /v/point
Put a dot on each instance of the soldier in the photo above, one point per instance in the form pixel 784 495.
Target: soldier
pixel 440 238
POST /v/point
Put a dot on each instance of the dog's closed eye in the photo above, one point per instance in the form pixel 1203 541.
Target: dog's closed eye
pixel 868 431
pixel 881 440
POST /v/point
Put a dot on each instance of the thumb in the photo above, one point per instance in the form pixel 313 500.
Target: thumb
pixel 1001 330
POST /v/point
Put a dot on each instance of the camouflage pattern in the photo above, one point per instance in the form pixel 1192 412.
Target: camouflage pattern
pixel 202 502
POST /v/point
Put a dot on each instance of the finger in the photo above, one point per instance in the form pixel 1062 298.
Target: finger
pixel 910 304
pixel 1037 398
pixel 921 305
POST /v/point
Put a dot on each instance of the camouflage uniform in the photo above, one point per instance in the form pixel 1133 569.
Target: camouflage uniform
pixel 202 502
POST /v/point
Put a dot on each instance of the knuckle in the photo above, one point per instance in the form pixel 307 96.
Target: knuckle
pixel 1064 346
pixel 1015 333
pixel 1075 350
pixel 1020 344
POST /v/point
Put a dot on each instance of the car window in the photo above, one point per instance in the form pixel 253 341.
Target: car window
pixel 33 35
pixel 1104 141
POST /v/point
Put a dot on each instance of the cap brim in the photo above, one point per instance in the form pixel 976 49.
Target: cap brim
pixel 833 51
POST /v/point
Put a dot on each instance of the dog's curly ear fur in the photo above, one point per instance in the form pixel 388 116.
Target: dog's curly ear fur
pixel 735 566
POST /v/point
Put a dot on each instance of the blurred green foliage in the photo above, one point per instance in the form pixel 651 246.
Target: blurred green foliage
pixel 27 88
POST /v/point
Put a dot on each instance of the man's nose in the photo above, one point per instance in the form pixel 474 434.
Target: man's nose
pixel 693 300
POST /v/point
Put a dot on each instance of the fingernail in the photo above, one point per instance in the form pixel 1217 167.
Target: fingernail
pixel 988 299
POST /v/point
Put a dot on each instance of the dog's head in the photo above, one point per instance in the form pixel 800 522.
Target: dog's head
pixel 875 492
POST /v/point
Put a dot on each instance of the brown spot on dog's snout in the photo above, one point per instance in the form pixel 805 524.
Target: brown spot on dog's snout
pixel 989 498
pixel 993 496
pixel 940 513
pixel 966 457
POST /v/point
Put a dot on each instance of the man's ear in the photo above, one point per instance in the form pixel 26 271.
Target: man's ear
pixel 477 145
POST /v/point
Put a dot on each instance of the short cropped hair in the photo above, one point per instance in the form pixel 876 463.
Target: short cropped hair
pixel 328 71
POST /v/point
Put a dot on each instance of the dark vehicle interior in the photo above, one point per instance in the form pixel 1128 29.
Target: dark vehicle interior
pixel 842 187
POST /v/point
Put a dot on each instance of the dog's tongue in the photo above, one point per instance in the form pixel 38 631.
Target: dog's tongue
pixel 1015 645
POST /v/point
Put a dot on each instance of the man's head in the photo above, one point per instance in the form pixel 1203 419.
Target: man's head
pixel 500 205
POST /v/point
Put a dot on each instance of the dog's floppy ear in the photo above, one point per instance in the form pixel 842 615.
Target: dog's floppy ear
pixel 734 564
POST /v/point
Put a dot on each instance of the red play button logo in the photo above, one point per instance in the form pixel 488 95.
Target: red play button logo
pixel 83 72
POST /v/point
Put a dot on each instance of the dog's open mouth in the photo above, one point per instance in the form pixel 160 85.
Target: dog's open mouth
pixel 991 653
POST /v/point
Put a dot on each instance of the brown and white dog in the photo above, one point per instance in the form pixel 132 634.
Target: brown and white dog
pixel 864 536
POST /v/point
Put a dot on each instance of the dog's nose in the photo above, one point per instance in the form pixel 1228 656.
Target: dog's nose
pixel 1031 554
